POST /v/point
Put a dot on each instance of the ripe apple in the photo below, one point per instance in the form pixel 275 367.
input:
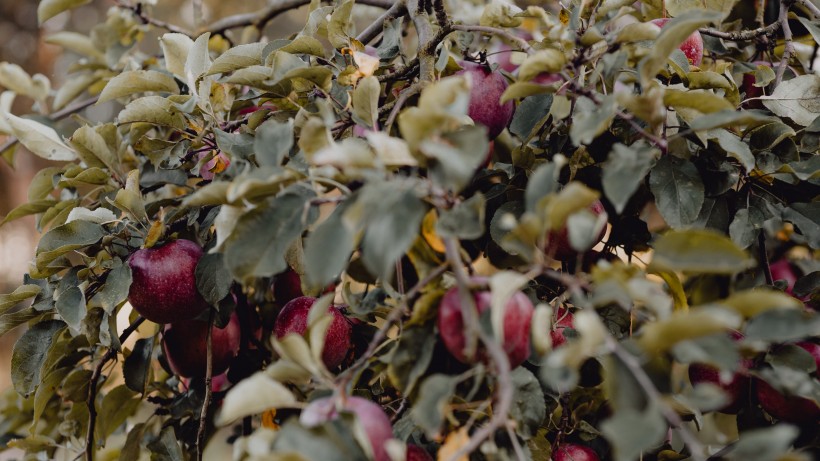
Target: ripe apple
pixel 286 286
pixel 485 107
pixel 558 244
pixel 573 452
pixel 563 320
pixel 692 47
pixel 737 388
pixel 185 346
pixel 791 408
pixel 163 287
pixel 517 318
pixel 370 416
pixel 783 270
pixel 293 319
pixel 416 453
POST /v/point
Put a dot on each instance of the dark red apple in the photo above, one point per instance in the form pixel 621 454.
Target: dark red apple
pixel 563 320
pixel 293 319
pixel 692 47
pixel 485 95
pixel 416 453
pixel 372 418
pixel 517 318
pixel 783 270
pixel 286 286
pixel 163 286
pixel 791 408
pixel 573 452
pixel 185 346
pixel 737 387
pixel 558 245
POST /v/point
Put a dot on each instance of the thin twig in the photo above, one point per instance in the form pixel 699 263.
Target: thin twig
pixel 139 11
pixel 813 9
pixel 743 35
pixel 394 316
pixel 764 258
pixel 209 371
pixel 696 449
pixel 92 388
pixel 504 388
pixel 56 116
pixel 788 49
pixel 403 97
pixel 375 28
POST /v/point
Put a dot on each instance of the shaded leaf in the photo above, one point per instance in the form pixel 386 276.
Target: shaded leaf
pixel 699 251
pixel 213 281
pixel 29 353
pixel 678 190
pixel 625 170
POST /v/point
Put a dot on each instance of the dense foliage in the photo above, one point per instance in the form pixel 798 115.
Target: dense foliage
pixel 458 294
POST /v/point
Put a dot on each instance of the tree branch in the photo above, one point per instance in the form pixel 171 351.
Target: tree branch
pixel 209 371
pixel 140 13
pixel 811 7
pixel 523 44
pixel 374 29
pixel 504 387
pixel 696 449
pixel 788 49
pixel 743 35
pixel 92 388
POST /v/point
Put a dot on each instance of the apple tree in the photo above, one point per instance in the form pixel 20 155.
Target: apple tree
pixel 575 230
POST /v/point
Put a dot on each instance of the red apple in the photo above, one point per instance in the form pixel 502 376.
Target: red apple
pixel 416 453
pixel 286 286
pixel 783 270
pixel 517 318
pixel 791 408
pixel 163 287
pixel 370 416
pixel 563 320
pixel 692 47
pixel 485 94
pixel 185 346
pixel 737 387
pixel 293 319
pixel 573 452
pixel 558 245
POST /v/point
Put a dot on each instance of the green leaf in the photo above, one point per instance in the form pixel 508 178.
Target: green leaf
pixel 678 7
pixel 21 293
pixel 678 190
pixel 699 251
pixel 93 149
pixel 529 114
pixel 591 119
pixel 672 35
pixel 136 368
pixel 455 156
pixel 40 139
pixel 238 57
pixel 29 353
pixel 152 109
pixel 331 441
pixel 763 444
pixel 729 118
pixel 133 443
pixel 700 100
pixel 213 281
pixel 28 208
pixel 797 99
pixel 257 246
pixel 340 27
pixel 430 409
pixel 47 9
pixel 273 142
pixel 254 395
pixel 240 145
pixel 71 307
pixel 116 407
pixel 465 220
pixel 806 217
pixel 625 170
pixel 198 60
pixel 632 432
pixel 735 147
pixel 138 81
pixel 782 325
pixel 10 321
pixel 529 408
pixel 366 100
pixel 548 61
pixel 410 359
pixel 393 222
pixel 744 228
pixel 166 447
pixel 176 48
pixel 542 182
pixel 65 238
pixel 328 248
pixel 115 290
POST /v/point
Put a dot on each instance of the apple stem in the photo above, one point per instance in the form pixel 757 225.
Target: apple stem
pixel 93 388
pixel 209 371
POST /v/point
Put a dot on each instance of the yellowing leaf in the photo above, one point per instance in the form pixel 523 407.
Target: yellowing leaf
pixel 41 140
pixel 453 443
pixel 138 81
